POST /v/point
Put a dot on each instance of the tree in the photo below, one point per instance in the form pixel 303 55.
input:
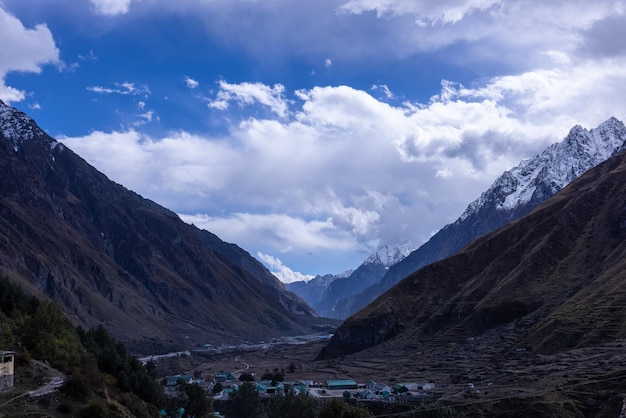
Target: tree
pixel 292 367
pixel 244 402
pixel 274 377
pixel 151 368
pixel 197 403
pixel 246 377
pixel 291 405
pixel 338 409
pixel 217 388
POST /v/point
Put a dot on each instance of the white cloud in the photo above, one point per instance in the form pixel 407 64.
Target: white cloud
pixel 276 230
pixel 495 33
pixel 284 273
pixel 144 118
pixel 426 12
pixel 383 87
pixel 111 7
pixel 333 170
pixel 91 56
pixel 125 88
pixel 249 94
pixel 23 49
pixel 191 83
pixel 330 170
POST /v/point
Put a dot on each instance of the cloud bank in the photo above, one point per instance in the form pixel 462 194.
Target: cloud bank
pixel 309 172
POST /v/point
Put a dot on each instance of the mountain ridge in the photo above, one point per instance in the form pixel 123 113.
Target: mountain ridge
pixel 512 195
pixel 111 257
pixel 549 281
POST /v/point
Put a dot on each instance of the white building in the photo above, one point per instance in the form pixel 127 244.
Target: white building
pixel 7 369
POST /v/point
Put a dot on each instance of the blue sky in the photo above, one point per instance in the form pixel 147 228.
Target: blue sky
pixel 310 133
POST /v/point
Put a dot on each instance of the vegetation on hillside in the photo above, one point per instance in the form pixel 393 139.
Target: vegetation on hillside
pixel 98 367
pixel 245 402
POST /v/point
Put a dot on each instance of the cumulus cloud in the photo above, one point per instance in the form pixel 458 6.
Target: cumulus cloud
pixel 23 49
pixel 111 7
pixel 333 170
pixel 251 93
pixel 276 230
pixel 284 273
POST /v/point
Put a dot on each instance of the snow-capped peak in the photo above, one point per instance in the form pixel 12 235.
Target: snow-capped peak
pixel 388 255
pixel 544 175
pixel 16 127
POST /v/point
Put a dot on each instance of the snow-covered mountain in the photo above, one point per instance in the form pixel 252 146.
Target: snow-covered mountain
pixel 515 193
pixel 17 128
pixel 547 173
pixel 324 292
pixel 388 255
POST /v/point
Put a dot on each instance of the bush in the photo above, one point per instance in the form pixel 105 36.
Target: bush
pixel 96 409
pixel 76 386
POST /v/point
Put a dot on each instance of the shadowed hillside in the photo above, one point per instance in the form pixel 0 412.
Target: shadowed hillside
pixel 551 281
pixel 112 257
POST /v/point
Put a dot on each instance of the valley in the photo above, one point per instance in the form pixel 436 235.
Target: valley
pixel 477 374
pixel 527 316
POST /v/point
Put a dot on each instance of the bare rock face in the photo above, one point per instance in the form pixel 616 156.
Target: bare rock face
pixel 553 280
pixel 111 257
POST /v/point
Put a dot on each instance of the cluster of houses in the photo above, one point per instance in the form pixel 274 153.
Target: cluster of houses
pixel 349 389
pixel 378 392
pixel 229 383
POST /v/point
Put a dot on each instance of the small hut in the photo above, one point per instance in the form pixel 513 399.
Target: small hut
pixel 7 369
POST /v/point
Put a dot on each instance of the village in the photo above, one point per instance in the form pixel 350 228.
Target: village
pixel 222 384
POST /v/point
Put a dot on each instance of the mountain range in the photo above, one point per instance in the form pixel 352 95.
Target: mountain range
pixel 349 284
pixel 552 280
pixel 515 193
pixel 112 257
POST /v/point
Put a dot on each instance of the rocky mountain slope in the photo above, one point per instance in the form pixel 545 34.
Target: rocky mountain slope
pixel 111 257
pixel 515 193
pixel 553 280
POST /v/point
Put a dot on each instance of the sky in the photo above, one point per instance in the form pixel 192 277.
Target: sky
pixel 310 133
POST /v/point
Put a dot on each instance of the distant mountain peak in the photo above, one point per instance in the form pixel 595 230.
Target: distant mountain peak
pixel 388 255
pixel 17 127
pixel 548 172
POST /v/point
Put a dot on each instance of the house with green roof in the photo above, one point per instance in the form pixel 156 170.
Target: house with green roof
pixel 341 384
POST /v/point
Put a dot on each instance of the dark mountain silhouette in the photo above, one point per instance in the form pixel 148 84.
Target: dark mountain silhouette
pixel 111 257
pixel 552 280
